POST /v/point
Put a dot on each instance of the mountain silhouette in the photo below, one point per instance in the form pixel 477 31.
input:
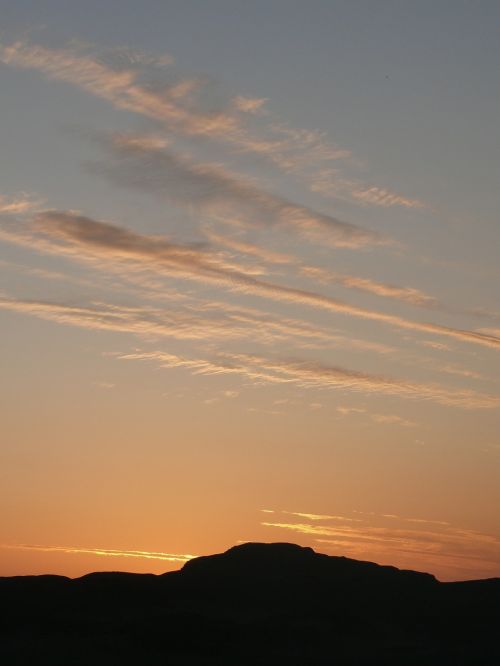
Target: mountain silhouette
pixel 258 604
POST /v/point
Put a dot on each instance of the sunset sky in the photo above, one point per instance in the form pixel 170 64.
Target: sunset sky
pixel 249 282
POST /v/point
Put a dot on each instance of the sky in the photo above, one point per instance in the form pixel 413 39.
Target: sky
pixel 249 282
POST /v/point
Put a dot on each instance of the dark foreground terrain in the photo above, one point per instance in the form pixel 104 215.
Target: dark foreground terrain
pixel 255 604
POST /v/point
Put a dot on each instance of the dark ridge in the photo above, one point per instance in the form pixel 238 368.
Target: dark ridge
pixel 253 559
pixel 282 557
pixel 254 604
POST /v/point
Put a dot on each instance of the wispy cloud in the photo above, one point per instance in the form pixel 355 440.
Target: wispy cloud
pixel 21 203
pixel 461 372
pixel 244 247
pixel 78 236
pixel 392 419
pixel 350 410
pixel 321 517
pixel 490 331
pixel 181 104
pixel 119 84
pixel 408 294
pixel 104 385
pixel 131 81
pixel 249 104
pixel 145 322
pixel 180 323
pixel 331 183
pixel 215 191
pixel 313 335
pixel 316 375
pixel 433 344
pixel 105 552
pixel 454 551
pixel 422 521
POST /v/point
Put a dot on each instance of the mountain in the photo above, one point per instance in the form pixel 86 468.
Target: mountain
pixel 258 604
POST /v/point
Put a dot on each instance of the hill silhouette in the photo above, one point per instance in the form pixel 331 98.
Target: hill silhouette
pixel 254 604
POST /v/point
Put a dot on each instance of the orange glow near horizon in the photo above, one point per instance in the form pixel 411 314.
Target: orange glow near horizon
pixel 409 543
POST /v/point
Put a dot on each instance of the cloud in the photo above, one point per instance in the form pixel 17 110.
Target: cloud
pixel 398 517
pixel 249 104
pixel 106 552
pixel 378 418
pixel 313 335
pixel 199 321
pixel 344 518
pixel 490 331
pixel 324 276
pixel 330 183
pixel 220 366
pixel 433 344
pixel 245 247
pixel 16 205
pixel 392 419
pixel 217 192
pixel 307 374
pixel 141 321
pixel 350 410
pixel 181 323
pixel 135 82
pixel 119 84
pixel 74 235
pixel 407 294
pixel 321 517
pixel 435 544
pixel 461 372
pixel 383 197
pixel 183 106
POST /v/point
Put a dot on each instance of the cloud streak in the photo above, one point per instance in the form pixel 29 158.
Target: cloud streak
pixel 407 294
pixel 251 249
pixel 437 544
pixel 215 191
pixel 75 235
pixel 202 322
pixel 320 516
pixel 130 82
pixel 105 552
pixel 316 375
pixel 179 105
pixel 19 204
pixel 330 183
pixel 119 85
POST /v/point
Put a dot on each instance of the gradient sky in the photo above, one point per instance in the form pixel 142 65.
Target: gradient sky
pixel 249 282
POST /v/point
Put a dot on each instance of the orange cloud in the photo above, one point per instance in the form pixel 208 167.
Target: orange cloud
pixel 308 375
pixel 105 552
pixel 78 236
pixel 436 544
